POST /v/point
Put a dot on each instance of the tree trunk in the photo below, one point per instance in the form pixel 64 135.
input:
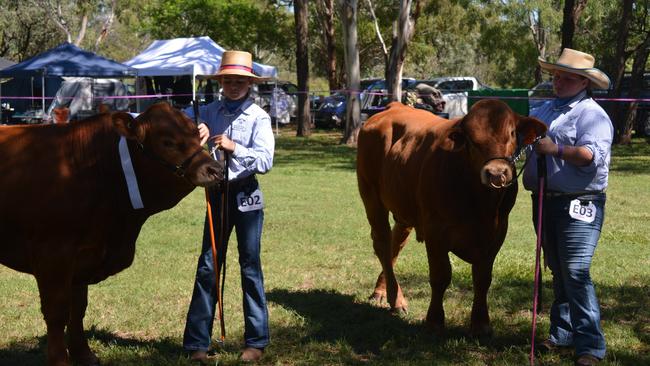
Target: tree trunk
pixel 302 67
pixel 618 66
pixel 402 33
pixel 326 14
pixel 572 11
pixel 540 38
pixel 636 85
pixel 348 15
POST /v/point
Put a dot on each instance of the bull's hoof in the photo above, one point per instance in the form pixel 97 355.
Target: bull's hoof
pixel 85 360
pixel 437 330
pixel 378 297
pixel 399 310
pixel 481 331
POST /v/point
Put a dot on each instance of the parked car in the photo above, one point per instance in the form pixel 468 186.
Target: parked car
pixel 455 84
pixel 279 98
pixel 330 111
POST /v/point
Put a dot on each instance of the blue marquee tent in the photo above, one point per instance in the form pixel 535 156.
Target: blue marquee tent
pixel 68 60
pixel 65 60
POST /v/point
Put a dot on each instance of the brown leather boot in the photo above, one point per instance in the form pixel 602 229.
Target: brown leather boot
pixel 587 360
pixel 201 357
pixel 251 354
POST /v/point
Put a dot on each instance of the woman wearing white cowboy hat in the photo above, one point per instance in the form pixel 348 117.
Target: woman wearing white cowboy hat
pixel 577 150
pixel 238 126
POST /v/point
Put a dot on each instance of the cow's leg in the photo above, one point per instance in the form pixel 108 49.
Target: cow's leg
pixel 80 353
pixel 481 278
pixel 439 279
pixel 54 289
pixel 400 234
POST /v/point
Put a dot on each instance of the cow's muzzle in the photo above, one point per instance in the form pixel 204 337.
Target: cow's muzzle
pixel 498 172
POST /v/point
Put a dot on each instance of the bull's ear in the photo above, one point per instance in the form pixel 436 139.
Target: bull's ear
pixel 454 141
pixel 126 126
pixel 529 128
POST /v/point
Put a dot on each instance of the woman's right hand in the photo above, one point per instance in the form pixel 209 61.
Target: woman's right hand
pixel 204 133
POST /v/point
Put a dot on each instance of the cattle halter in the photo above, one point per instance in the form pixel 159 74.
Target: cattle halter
pixel 179 170
pixel 512 160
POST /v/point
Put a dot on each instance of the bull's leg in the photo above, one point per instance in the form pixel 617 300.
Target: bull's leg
pixel 439 279
pixel 481 278
pixel 400 235
pixel 54 289
pixel 78 344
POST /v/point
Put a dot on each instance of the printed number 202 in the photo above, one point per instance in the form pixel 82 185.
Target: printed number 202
pixel 249 201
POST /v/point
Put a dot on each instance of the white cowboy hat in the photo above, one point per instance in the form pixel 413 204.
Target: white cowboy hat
pixel 237 63
pixel 578 63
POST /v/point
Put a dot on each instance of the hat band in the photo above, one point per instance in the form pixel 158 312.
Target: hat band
pixel 238 67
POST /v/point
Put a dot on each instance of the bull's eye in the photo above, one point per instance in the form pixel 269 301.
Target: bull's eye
pixel 168 144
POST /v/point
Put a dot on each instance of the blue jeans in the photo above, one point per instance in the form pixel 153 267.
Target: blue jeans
pixel 569 245
pixel 200 316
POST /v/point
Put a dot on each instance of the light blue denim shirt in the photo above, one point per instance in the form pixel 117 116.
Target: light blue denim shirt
pixel 249 126
pixel 578 122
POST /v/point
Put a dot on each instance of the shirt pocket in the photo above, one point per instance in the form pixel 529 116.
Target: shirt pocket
pixel 564 130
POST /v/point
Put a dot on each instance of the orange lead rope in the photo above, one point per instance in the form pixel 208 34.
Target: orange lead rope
pixel 217 269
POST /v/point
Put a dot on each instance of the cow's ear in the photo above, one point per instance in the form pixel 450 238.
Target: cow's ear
pixel 126 126
pixel 529 128
pixel 454 141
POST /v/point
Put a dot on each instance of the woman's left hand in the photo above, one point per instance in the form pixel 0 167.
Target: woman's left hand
pixel 224 143
pixel 546 146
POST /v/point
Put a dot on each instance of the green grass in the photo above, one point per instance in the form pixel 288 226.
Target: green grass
pixel 320 268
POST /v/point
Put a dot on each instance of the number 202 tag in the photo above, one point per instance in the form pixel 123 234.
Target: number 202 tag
pixel 578 211
pixel 250 202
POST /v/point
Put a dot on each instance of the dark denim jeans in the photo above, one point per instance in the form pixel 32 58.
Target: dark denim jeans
pixel 200 316
pixel 569 245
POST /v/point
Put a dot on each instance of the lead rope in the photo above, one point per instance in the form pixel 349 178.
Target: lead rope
pixel 541 176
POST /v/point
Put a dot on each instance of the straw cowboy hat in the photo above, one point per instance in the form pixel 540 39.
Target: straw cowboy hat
pixel 578 63
pixel 237 63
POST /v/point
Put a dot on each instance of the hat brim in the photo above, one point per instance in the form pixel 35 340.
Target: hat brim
pixel 598 79
pixel 254 78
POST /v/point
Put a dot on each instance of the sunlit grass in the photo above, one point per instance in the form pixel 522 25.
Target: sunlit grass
pixel 320 268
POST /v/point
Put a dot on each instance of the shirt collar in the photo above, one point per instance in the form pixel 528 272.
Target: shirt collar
pixel 570 103
pixel 243 108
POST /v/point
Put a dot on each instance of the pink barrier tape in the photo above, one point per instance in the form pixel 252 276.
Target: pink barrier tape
pixel 342 91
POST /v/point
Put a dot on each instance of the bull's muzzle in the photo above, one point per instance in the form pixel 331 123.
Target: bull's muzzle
pixel 497 173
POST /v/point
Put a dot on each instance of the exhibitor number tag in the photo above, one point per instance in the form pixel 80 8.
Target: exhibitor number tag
pixel 578 211
pixel 250 202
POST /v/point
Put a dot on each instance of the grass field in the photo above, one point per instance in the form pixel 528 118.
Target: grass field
pixel 320 268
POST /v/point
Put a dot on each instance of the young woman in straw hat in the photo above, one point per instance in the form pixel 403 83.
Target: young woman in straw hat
pixel 238 126
pixel 577 152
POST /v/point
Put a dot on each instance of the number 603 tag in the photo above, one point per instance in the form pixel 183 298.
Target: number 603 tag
pixel 578 211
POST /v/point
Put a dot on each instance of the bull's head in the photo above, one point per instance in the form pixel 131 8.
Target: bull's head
pixel 489 135
pixel 170 137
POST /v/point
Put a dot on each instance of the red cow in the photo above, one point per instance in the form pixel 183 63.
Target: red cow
pixel 67 215
pixel 451 180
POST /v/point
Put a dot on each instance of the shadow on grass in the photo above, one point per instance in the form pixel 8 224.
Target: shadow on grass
pixel 334 318
pixel 162 351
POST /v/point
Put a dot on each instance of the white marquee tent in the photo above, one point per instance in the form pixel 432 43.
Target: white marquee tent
pixel 198 56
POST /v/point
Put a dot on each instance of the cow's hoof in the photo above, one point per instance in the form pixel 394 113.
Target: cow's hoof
pixel 437 330
pixel 378 297
pixel 86 360
pixel 481 331
pixel 401 310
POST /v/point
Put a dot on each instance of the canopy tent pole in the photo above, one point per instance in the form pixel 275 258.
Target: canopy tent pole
pixel 193 83
pixel 43 94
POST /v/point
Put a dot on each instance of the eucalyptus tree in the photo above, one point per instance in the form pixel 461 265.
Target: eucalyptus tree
pixel 348 10
pixel 302 66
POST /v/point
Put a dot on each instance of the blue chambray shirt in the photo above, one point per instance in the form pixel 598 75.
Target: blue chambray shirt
pixel 249 126
pixel 580 122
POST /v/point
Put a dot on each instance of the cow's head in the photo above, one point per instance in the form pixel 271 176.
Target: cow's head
pixel 489 134
pixel 168 136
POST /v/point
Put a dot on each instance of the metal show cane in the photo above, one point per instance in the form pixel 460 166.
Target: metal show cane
pixel 537 294
pixel 215 261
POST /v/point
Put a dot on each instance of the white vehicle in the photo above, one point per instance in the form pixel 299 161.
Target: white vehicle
pixel 454 91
